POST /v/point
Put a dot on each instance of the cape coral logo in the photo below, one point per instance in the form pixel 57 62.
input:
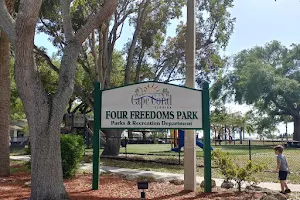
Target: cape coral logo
pixel 153 96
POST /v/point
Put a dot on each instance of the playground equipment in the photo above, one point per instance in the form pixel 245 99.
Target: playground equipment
pixel 224 134
pixel 178 140
pixel 80 124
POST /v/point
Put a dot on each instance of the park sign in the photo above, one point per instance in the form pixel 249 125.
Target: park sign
pixel 151 105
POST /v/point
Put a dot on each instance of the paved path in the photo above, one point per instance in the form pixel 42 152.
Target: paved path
pixel 161 175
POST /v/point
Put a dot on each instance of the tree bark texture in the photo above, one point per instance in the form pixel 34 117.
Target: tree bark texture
pixel 4 104
pixel 43 111
pixel 43 115
pixel 130 134
pixel 5 97
pixel 113 142
pixel 296 135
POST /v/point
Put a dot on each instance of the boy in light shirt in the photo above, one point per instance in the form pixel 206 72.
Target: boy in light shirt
pixel 282 169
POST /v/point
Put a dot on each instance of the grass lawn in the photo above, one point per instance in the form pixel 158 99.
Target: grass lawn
pixel 17 152
pixel 263 176
pixel 165 149
pixel 259 154
pixel 160 152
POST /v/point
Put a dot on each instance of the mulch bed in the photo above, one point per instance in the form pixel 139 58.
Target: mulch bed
pixel 113 187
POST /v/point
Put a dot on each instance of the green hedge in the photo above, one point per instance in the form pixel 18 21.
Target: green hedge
pixel 72 150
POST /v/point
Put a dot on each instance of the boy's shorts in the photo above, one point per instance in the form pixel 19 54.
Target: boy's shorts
pixel 282 175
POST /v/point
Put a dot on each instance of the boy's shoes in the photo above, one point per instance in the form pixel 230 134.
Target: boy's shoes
pixel 287 191
pixel 282 192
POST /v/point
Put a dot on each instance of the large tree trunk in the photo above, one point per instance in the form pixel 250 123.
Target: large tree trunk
pixel 5 97
pixel 46 156
pixel 4 104
pixel 296 135
pixel 45 111
pixel 130 134
pixel 113 142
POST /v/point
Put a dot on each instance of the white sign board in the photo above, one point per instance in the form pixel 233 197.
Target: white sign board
pixel 151 105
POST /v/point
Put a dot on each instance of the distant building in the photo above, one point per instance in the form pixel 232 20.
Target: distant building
pixel 18 135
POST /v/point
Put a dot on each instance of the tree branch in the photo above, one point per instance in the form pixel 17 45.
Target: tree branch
pixel 70 105
pixel 95 21
pixel 67 24
pixel 26 73
pixel 46 58
pixel 280 113
pixel 78 107
pixel 7 23
pixel 53 33
pixel 71 52
pixel 170 75
pixel 176 79
pixel 139 25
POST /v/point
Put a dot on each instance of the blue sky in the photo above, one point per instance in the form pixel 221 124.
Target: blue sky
pixel 257 22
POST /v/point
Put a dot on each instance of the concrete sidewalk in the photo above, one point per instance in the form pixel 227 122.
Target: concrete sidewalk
pixel 160 175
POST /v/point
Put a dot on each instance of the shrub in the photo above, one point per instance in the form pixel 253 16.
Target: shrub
pixel 72 149
pixel 224 163
pixel 233 171
pixel 28 165
pixel 28 150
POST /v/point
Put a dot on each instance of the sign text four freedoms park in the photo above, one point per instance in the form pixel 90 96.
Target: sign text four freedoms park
pixel 151 105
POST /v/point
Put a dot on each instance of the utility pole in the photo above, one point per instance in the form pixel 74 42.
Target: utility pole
pixel 190 140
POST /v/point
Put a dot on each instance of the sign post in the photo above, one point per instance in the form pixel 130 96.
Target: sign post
pixel 206 135
pixel 190 172
pixel 96 138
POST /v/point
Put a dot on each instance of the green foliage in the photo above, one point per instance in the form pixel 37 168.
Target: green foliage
pixel 72 149
pixel 224 163
pixel 220 117
pixel 28 165
pixel 16 105
pixel 233 171
pixel 28 150
pixel 266 77
pixel 214 28
pixel 117 74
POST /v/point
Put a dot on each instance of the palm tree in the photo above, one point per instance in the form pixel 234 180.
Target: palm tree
pixel 5 98
pixel 243 122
